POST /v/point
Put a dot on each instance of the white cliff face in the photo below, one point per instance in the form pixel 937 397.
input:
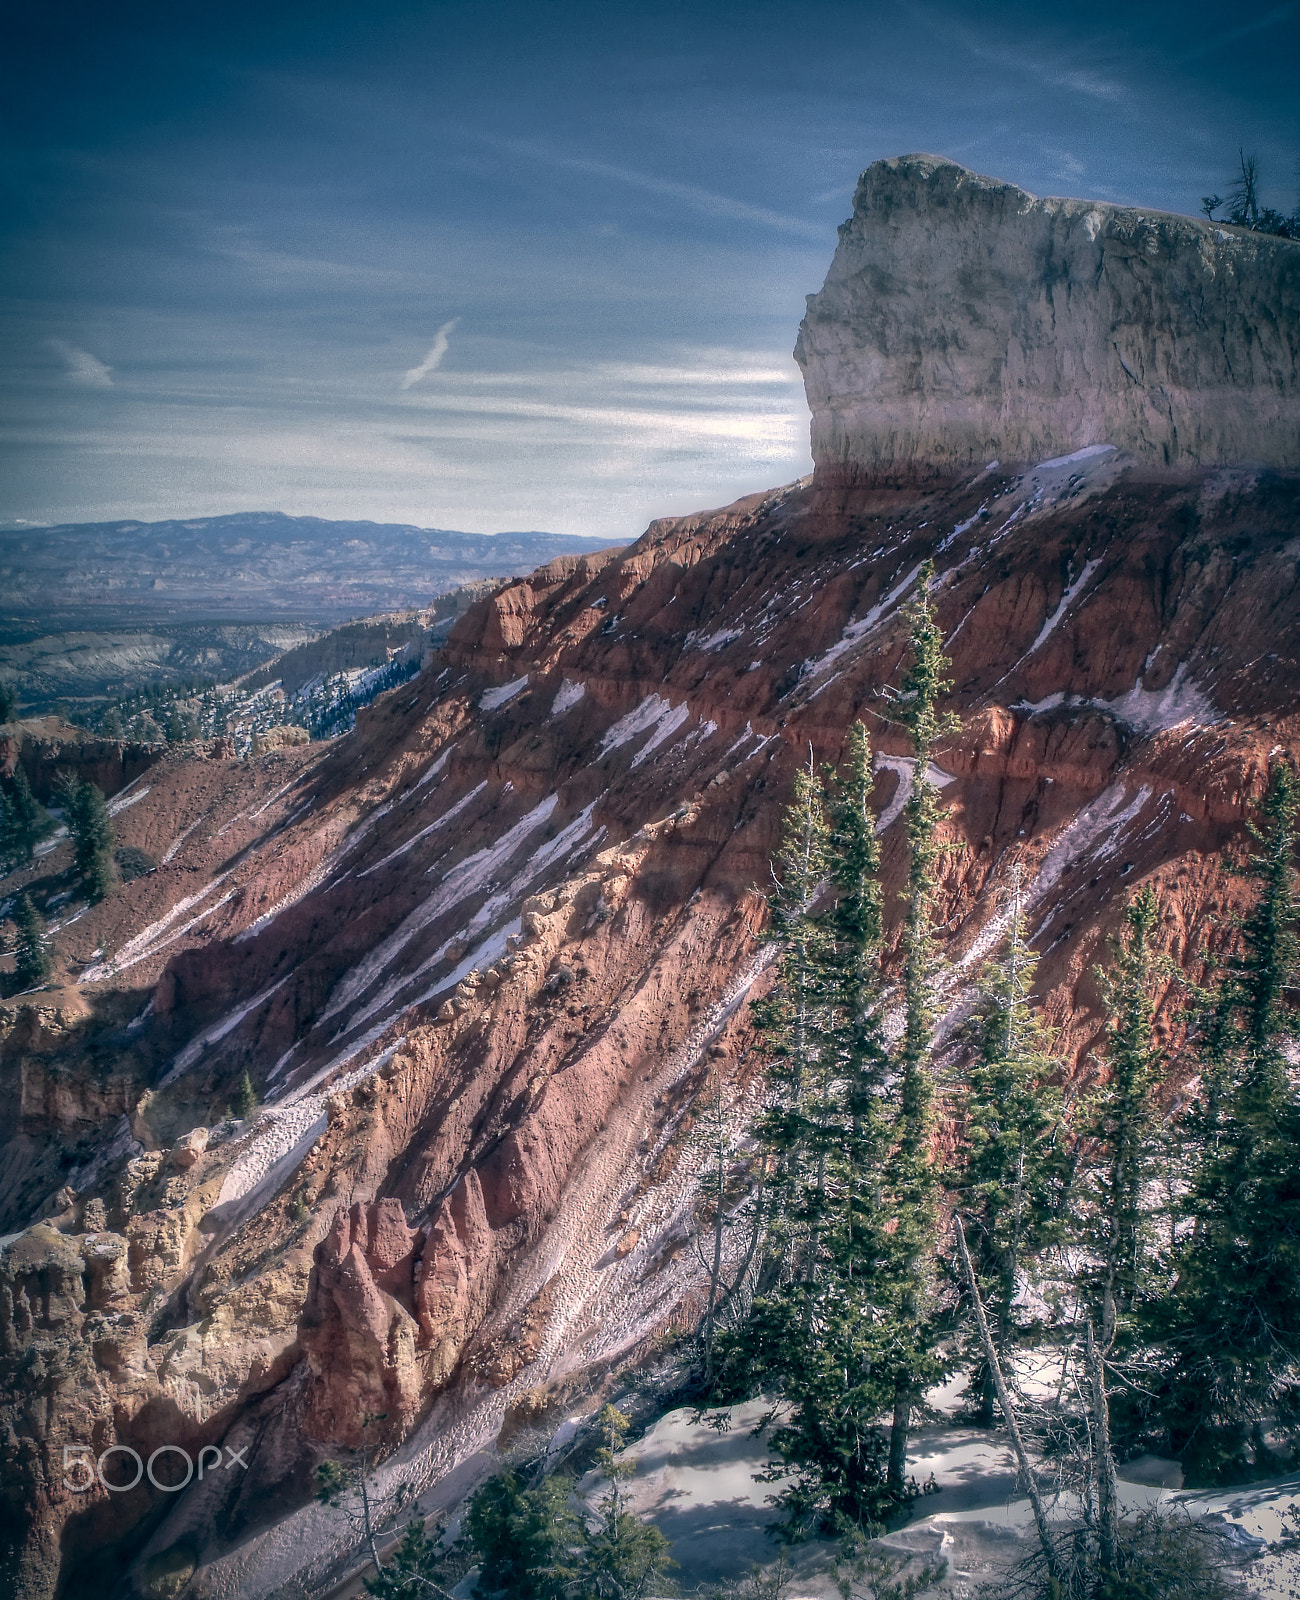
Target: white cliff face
pixel 963 319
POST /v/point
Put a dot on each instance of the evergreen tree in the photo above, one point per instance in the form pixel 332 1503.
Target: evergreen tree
pixel 714 1133
pixel 846 1324
pixel 526 1539
pixel 821 1329
pixel 32 964
pixel 12 850
pixel 246 1099
pixel 622 1558
pixel 913 1178
pixel 792 1020
pixel 1123 1127
pixel 8 703
pixel 414 1569
pixel 1230 1325
pixel 88 822
pixel 1010 1183
pixel 24 821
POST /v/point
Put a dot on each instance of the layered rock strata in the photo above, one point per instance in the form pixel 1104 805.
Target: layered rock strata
pixel 964 320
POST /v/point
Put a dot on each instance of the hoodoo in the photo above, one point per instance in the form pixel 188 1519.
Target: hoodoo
pixel 964 320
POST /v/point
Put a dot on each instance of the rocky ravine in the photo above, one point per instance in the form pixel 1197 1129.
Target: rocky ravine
pixel 481 954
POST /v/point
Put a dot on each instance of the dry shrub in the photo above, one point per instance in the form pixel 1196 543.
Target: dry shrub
pixel 1164 1554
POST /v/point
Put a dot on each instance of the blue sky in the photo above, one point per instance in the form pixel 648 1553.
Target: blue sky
pixel 493 266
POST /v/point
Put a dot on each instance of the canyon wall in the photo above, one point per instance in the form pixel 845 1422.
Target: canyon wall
pixel 483 956
pixel 964 320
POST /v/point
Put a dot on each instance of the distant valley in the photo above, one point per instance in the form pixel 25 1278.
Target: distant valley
pixel 94 611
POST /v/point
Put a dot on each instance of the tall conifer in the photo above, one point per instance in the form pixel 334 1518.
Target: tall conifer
pixel 32 964
pixel 1230 1326
pixel 1009 1184
pixel 822 1331
pixel 913 1178
pixel 91 827
pixel 1124 1128
pixel 844 1323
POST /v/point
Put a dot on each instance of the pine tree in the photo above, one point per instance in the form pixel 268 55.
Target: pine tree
pixel 623 1558
pixel 8 703
pixel 714 1133
pixel 847 1327
pixel 792 1021
pixel 1229 1329
pixel 1123 1127
pixel 91 828
pixel 32 964
pixel 1009 1186
pixel 414 1569
pixel 29 823
pixel 12 849
pixel 525 1538
pixel 821 1330
pixel 246 1099
pixel 913 1176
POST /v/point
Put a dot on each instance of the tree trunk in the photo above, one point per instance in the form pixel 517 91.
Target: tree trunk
pixel 898 1432
pixel 370 1532
pixel 1008 1410
pixel 1107 1487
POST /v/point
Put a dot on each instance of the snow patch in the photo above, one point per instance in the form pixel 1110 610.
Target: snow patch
pixel 1145 710
pixel 120 802
pixel 652 710
pixel 1086 454
pixel 433 827
pixel 567 696
pixel 563 844
pixel 715 641
pixel 668 726
pixel 178 841
pixel 433 769
pixel 1154 710
pixel 192 1051
pixel 494 699
pixel 149 940
pixel 462 881
pixel 962 527
pixel 855 632
pixel 905 767
pixel 1066 601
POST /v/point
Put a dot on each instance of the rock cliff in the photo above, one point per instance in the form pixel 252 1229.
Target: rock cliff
pixel 482 955
pixel 964 320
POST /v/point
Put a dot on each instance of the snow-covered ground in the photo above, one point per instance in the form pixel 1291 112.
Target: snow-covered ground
pixel 697 1485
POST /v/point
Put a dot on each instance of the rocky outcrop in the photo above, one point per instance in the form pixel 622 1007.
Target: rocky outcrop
pixel 47 749
pixel 964 320
pixel 359 1330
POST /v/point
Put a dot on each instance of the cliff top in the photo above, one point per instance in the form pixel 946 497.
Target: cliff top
pixel 964 319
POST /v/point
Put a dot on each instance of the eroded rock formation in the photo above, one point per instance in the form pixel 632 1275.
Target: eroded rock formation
pixel 481 956
pixel 964 320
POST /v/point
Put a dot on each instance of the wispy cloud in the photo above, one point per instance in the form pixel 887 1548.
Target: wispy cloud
pixel 437 350
pixel 1049 70
pixel 83 368
pixel 706 201
pixel 1231 35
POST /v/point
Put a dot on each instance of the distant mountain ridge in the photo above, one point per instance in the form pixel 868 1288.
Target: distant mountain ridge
pixel 260 564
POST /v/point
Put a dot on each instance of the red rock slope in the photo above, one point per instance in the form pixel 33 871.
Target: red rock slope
pixel 479 955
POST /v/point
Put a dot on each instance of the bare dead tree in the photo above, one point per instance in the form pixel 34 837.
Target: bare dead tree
pixel 1050 1553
